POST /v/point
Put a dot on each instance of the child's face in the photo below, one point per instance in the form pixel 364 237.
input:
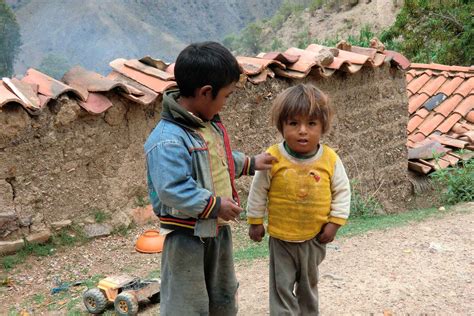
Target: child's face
pixel 302 134
pixel 211 106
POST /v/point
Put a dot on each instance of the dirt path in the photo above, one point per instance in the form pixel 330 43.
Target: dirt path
pixel 424 267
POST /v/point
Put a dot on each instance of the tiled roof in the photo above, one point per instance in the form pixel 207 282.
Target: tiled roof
pixel 441 109
pixel 144 80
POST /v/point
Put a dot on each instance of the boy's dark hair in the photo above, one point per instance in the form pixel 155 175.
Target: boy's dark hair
pixel 206 63
pixel 301 100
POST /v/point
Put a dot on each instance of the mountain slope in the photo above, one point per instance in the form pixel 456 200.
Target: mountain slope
pixel 92 33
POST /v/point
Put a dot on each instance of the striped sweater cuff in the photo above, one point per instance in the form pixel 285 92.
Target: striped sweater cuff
pixel 254 221
pixel 212 206
pixel 337 220
pixel 249 166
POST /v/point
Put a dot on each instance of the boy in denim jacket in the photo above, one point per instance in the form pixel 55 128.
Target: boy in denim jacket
pixel 191 170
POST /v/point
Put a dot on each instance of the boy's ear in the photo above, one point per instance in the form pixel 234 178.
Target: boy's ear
pixel 205 91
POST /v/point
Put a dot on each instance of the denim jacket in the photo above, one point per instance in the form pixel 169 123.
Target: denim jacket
pixel 179 172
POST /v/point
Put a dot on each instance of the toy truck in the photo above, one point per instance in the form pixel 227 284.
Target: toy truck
pixel 124 292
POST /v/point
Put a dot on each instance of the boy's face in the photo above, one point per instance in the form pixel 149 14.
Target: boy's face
pixel 302 134
pixel 211 106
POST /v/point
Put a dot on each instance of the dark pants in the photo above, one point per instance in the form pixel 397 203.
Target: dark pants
pixel 294 276
pixel 197 275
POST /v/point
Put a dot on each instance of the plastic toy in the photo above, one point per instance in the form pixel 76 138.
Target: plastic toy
pixel 124 292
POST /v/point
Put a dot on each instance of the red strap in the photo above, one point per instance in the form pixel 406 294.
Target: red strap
pixel 230 161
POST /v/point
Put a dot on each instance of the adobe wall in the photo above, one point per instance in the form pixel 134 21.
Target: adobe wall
pixel 68 164
pixel 368 132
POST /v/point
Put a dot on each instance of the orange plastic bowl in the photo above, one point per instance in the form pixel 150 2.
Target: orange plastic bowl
pixel 150 242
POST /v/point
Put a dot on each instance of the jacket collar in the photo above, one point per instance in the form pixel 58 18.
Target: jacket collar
pixel 174 112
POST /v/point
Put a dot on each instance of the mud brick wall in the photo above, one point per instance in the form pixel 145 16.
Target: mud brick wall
pixel 368 131
pixel 68 164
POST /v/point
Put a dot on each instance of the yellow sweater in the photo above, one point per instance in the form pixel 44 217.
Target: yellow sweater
pixel 299 195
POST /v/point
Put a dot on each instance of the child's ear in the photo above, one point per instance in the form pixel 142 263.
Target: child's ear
pixel 205 91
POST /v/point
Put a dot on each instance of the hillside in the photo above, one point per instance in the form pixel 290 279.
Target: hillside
pixel 319 21
pixel 92 33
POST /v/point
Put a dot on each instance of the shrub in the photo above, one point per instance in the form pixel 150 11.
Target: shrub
pixel 455 184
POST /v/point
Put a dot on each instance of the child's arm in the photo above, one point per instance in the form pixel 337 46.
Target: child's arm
pixel 340 203
pixel 170 169
pixel 257 204
pixel 245 165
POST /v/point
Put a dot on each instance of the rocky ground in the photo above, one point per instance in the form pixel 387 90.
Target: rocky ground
pixel 421 268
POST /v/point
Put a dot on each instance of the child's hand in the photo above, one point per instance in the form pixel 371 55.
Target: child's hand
pixel 328 232
pixel 229 210
pixel 264 161
pixel 256 232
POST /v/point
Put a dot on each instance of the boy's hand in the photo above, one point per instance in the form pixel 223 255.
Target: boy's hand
pixel 256 232
pixel 328 232
pixel 229 210
pixel 264 161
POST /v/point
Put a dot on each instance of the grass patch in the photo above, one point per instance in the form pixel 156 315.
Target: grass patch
pixel 101 216
pixel 64 238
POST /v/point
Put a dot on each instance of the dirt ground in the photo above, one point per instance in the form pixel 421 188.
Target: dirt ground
pixel 421 268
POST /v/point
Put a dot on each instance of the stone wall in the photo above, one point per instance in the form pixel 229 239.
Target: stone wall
pixel 68 164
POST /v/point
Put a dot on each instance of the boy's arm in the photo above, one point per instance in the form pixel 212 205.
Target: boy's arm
pixel 341 195
pixel 170 169
pixel 248 165
pixel 243 164
pixel 257 201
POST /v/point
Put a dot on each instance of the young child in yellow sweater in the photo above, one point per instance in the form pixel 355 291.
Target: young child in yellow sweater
pixel 306 195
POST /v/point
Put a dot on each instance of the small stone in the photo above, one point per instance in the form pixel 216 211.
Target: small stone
pixel 442 209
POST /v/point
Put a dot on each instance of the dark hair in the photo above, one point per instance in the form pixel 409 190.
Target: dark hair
pixel 302 99
pixel 206 63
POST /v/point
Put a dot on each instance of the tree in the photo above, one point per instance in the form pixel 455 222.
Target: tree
pixel 10 39
pixel 440 31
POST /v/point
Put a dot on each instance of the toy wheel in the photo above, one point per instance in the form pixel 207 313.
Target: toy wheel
pixel 126 304
pixel 155 298
pixel 95 301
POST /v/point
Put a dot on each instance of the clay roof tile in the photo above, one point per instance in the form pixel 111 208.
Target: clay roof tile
pixel 418 82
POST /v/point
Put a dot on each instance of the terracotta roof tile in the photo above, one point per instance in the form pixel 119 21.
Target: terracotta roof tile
pixel 470 117
pixel 468 137
pixel 451 159
pixel 144 96
pixel 88 81
pixel 149 70
pixel 423 112
pixel 306 61
pixel 96 103
pixel 398 58
pixel 433 85
pixel 430 123
pixel 459 128
pixel 449 141
pixel 416 137
pixel 413 123
pixel 147 80
pixel 449 123
pixel 370 52
pixel 466 87
pixel 49 87
pixel 28 93
pixel 450 86
pixel 416 101
pixel 254 66
pixel 449 105
pixel 417 83
pixel 419 167
pixel 465 106
pixel 281 57
pixel 350 57
pixel 442 67
pixel 7 96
